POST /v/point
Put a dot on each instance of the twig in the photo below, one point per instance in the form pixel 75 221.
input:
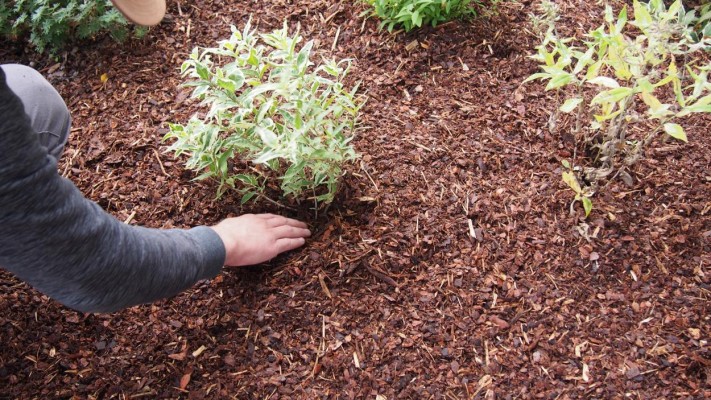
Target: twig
pixel 362 167
pixel 423 147
pixel 315 204
pixel 160 163
pixel 335 39
pixel 323 286
pixel 130 218
pixel 276 203
pixel 382 276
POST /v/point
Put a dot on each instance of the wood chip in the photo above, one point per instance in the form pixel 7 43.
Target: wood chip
pixel 323 286
pixel 199 351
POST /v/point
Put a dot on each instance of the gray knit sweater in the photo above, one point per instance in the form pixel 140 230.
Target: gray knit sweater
pixel 69 248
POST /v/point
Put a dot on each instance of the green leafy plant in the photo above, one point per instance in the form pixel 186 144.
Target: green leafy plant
pixel 626 79
pixel 700 24
pixel 411 14
pixel 269 105
pixel 51 24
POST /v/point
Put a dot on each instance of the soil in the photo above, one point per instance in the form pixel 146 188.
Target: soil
pixel 449 266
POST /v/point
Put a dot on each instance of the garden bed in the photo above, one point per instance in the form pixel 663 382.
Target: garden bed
pixel 449 265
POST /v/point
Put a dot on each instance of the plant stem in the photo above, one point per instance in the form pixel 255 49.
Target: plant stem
pixel 276 203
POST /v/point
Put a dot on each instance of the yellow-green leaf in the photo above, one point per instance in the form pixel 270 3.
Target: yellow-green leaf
pixel 656 108
pixel 605 81
pixel 584 60
pixel 674 8
pixel 607 117
pixel 539 75
pixel 559 80
pixel 696 108
pixel 675 131
pixel 594 70
pixel 612 95
pixel 621 19
pixel 570 104
pixel 645 85
pixel 571 181
pixel 706 100
pixel 641 15
pixel 587 205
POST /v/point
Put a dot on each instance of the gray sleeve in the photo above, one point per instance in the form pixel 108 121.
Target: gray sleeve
pixel 69 248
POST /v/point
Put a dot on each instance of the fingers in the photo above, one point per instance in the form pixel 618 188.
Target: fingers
pixel 296 223
pixel 287 231
pixel 277 220
pixel 287 244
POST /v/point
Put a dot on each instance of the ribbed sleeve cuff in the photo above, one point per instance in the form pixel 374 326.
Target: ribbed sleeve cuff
pixel 214 250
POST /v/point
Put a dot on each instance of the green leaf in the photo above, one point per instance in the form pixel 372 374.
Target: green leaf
pixel 696 108
pixel 612 96
pixel 706 100
pixel 584 60
pixel 609 18
pixel 226 84
pixel 266 157
pixel 674 9
pixel 621 19
pixel 248 180
pixel 539 75
pixel 264 110
pixel 302 59
pixel 605 117
pixel 202 71
pixel 587 205
pixel 675 131
pixel 203 176
pixel 416 20
pixel 642 18
pixel 237 77
pixel 655 106
pixel 645 85
pixel 559 80
pixel 605 81
pixel 593 70
pixel 247 197
pixel 571 104
pixel 222 162
pixel 269 138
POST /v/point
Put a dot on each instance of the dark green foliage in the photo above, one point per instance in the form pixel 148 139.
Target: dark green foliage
pixel 699 19
pixel 411 14
pixel 51 24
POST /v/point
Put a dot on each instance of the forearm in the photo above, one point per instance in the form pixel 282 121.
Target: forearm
pixel 89 261
pixel 67 247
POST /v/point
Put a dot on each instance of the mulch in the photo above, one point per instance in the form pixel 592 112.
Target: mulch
pixel 449 266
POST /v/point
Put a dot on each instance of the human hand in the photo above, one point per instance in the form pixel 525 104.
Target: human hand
pixel 255 238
